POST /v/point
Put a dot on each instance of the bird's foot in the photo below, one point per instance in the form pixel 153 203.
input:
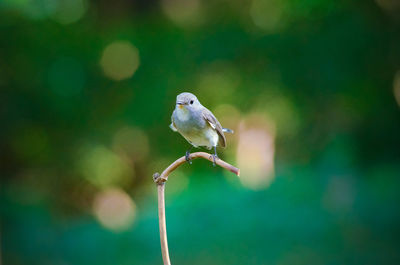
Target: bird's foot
pixel 187 157
pixel 214 157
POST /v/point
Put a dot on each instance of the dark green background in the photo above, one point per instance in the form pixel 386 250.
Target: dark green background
pixel 323 74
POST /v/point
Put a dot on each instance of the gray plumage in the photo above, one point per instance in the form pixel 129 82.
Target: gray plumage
pixel 196 123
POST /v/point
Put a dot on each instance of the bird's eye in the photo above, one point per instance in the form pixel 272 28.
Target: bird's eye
pixel 191 102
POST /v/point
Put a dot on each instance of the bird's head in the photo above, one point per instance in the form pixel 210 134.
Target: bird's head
pixel 187 100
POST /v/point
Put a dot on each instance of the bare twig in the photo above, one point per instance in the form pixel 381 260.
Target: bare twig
pixel 160 181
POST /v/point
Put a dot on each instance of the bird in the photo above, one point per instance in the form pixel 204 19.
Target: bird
pixel 197 125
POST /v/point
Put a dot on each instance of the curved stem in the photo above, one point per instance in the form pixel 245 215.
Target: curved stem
pixel 160 181
pixel 164 175
pixel 162 224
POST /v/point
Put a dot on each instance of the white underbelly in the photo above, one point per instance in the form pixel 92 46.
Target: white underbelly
pixel 207 137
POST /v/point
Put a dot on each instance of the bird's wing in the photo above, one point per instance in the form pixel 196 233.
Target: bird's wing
pixel 172 125
pixel 214 123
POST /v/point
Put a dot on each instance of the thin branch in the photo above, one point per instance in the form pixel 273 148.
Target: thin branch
pixel 160 181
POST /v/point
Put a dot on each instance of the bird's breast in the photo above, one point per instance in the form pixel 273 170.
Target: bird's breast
pixel 182 114
pixel 187 121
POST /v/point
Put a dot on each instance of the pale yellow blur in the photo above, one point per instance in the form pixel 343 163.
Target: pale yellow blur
pixel 217 82
pixel 389 5
pixel 255 151
pixel 131 143
pixel 281 110
pixel 120 60
pixel 184 13
pixel 102 167
pixel 114 209
pixel 69 11
pixel 267 15
pixel 179 182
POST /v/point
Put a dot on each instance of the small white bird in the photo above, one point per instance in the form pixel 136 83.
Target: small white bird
pixel 197 124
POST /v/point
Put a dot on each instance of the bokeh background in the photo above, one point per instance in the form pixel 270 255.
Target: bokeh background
pixel 311 88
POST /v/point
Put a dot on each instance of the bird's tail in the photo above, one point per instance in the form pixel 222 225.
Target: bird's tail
pixel 226 130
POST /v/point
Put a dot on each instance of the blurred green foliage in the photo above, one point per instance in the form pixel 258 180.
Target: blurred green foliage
pixel 77 120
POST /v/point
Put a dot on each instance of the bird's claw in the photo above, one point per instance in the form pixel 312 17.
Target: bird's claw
pixel 214 157
pixel 187 157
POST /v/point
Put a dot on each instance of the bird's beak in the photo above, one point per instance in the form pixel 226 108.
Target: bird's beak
pixel 180 104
